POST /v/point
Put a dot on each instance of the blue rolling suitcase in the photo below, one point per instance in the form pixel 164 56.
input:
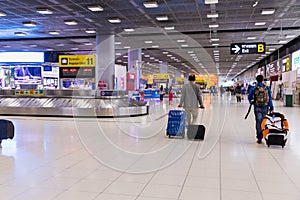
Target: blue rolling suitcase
pixel 176 123
pixel 7 129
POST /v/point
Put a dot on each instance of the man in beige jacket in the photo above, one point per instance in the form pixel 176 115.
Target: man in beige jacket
pixel 191 98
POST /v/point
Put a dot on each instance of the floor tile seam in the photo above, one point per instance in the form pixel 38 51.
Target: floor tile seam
pixel 249 164
pixel 185 179
pixel 285 172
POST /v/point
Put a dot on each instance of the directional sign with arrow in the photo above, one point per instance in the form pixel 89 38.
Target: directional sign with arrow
pixel 248 48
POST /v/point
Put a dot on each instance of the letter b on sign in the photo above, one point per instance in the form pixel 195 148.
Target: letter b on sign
pixel 260 48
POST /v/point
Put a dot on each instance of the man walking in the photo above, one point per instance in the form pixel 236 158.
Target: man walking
pixel 260 95
pixel 191 98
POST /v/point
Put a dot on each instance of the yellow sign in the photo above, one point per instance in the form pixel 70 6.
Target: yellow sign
pixel 29 92
pixel 150 79
pixel 179 79
pixel 160 76
pixel 77 60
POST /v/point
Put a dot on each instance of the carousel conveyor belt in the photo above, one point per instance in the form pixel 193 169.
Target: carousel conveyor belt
pixel 69 107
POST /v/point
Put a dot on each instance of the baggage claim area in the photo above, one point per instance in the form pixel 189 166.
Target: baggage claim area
pixel 90 92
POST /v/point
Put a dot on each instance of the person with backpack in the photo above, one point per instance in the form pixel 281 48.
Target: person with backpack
pixel 261 97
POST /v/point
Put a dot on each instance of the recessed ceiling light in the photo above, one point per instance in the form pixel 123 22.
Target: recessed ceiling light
pixel 150 4
pixel 184 45
pixel 214 39
pixel 272 49
pixel 282 41
pixel 255 4
pixel 215 44
pixel 290 36
pixel 2 14
pixel 215 51
pixel 33 45
pixel 268 12
pixel 148 42
pixel 180 41
pixel 6 46
pixel 44 11
pixel 95 8
pixel 128 29
pixel 53 32
pixel 260 23
pixel 90 31
pixel 127 47
pixel 118 54
pixel 212 15
pixel 169 27
pixel 189 52
pixel 88 43
pixel 251 38
pixel 211 1
pixel 117 43
pixel 20 33
pixel 60 45
pixel 213 26
pixel 155 46
pixel 162 18
pixel 74 48
pixel 29 24
pixel 70 22
pixel 114 20
pixel 165 52
pixel 49 49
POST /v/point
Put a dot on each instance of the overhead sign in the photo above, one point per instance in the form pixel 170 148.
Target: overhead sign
pixel 77 60
pixel 22 57
pixel 248 48
pixel 160 76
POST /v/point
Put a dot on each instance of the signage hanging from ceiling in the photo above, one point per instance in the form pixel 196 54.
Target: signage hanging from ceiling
pixel 248 48
pixel 77 60
pixel 22 57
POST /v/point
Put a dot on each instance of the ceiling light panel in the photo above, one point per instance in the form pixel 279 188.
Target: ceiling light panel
pixel 44 11
pixel 2 14
pixel 169 27
pixel 212 15
pixel 150 4
pixel 53 32
pixel 260 23
pixel 268 12
pixel 114 20
pixel 213 25
pixel 29 24
pixel 128 29
pixel 90 31
pixel 211 1
pixel 70 22
pixel 95 8
pixel 162 18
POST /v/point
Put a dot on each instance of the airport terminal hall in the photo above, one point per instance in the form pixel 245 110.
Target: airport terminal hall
pixel 149 99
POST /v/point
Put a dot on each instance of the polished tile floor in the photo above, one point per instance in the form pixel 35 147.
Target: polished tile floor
pixel 132 159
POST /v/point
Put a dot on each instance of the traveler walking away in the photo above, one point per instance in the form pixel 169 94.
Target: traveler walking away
pixel 261 97
pixel 161 93
pixel 170 95
pixel 191 98
pixel 238 92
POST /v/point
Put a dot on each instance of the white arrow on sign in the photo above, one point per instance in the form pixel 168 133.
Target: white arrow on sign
pixel 236 49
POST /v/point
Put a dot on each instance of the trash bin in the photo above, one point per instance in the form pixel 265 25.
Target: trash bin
pixel 288 100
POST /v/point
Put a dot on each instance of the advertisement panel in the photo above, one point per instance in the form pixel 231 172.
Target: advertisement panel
pixel 27 75
pixel 286 64
pixel 296 60
pixel 120 77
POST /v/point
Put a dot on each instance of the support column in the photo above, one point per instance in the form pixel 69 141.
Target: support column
pixel 105 55
pixel 134 64
pixel 163 68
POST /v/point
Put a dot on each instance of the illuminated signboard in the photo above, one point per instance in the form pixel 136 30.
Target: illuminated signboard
pixel 77 61
pixel 248 48
pixel 77 72
pixel 22 57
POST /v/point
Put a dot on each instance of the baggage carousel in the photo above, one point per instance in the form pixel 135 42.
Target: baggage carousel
pixel 70 106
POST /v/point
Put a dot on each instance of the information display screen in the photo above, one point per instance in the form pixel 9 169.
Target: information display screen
pixel 77 72
pixel 27 75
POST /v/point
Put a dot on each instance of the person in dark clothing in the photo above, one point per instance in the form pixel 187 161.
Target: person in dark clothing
pixel 238 93
pixel 161 93
pixel 261 96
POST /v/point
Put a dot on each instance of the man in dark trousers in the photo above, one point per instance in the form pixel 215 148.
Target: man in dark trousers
pixel 260 95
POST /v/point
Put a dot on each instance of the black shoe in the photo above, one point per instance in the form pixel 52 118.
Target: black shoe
pixel 259 140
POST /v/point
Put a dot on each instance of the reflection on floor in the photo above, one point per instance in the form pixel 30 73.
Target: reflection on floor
pixel 132 159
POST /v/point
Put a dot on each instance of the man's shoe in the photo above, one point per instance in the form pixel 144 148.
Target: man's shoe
pixel 259 140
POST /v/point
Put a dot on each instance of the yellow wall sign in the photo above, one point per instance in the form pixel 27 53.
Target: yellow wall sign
pixel 160 76
pixel 77 60
pixel 179 79
pixel 29 92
